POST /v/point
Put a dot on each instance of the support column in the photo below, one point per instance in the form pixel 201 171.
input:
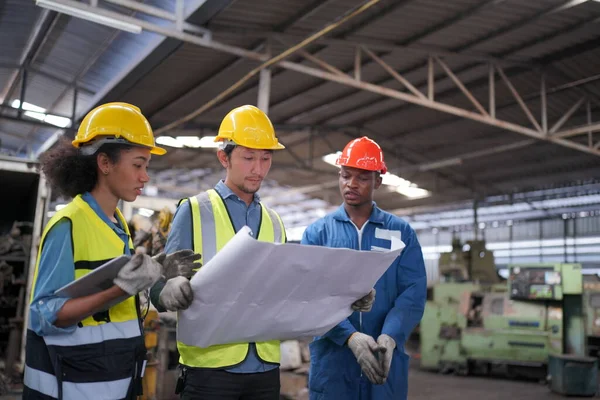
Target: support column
pixel 264 86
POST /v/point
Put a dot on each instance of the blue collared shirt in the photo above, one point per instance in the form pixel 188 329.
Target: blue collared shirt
pixel 180 238
pixel 57 268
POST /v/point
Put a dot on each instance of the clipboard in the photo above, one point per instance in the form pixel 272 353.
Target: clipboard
pixel 96 281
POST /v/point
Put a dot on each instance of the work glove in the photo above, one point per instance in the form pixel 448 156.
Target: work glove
pixel 179 263
pixel 365 303
pixel 139 274
pixel 365 350
pixel 387 346
pixel 177 294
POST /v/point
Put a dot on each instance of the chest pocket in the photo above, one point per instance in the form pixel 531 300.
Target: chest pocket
pixel 387 240
pixel 340 243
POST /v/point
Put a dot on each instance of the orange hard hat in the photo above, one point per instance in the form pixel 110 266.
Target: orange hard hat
pixel 363 153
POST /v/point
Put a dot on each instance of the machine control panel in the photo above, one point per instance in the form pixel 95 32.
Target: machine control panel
pixel 539 283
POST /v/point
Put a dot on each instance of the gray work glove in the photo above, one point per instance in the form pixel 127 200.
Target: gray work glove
pixel 365 349
pixel 139 274
pixel 179 263
pixel 177 294
pixel 365 303
pixel 387 346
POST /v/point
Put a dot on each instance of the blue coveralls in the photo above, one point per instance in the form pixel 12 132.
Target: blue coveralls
pixel 399 305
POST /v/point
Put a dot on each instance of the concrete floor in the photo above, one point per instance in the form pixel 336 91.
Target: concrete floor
pixel 425 385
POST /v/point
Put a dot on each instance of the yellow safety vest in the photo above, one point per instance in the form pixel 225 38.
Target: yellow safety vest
pixel 105 353
pixel 212 229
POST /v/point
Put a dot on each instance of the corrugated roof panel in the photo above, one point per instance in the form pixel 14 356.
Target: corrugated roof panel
pixel 41 91
pixel 498 17
pixel 542 29
pixel 17 19
pixel 414 17
pixel 65 105
pixel 588 32
pixel 264 14
pixel 70 44
pixel 5 75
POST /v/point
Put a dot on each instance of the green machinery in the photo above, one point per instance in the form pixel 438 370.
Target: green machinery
pixel 474 322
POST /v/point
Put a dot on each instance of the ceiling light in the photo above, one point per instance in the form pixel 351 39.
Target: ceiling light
pixel 413 192
pixel 208 142
pixel 62 122
pixel 35 115
pixel 169 141
pixel 27 106
pixel 331 158
pixel 189 141
pixel 146 212
pixel 89 16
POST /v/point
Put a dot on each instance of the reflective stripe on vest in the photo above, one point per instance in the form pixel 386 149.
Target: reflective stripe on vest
pixel 212 229
pixel 96 334
pixel 45 383
pixel 98 360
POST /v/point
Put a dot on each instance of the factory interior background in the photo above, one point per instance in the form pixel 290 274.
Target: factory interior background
pixel 487 111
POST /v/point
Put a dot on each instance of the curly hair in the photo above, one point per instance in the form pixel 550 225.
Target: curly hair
pixel 72 173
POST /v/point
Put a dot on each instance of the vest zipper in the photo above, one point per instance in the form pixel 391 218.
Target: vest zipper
pixel 360 233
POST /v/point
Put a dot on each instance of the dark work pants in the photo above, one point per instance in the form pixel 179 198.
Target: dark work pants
pixel 209 384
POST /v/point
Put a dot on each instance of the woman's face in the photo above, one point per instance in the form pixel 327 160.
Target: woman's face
pixel 126 178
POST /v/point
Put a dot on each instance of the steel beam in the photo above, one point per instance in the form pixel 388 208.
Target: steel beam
pixel 156 52
pixel 233 63
pixel 264 90
pixel 40 29
pixel 357 63
pixel 462 87
pixel 269 62
pixel 588 110
pixel 566 116
pixel 492 91
pixel 577 131
pixel 384 91
pixel 517 97
pixel 571 28
pixel 358 85
pixel 544 104
pixel 395 74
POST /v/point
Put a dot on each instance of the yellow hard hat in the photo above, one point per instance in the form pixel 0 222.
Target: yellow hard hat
pixel 250 127
pixel 116 122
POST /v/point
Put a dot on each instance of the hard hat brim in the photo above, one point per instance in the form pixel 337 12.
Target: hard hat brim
pixel 159 151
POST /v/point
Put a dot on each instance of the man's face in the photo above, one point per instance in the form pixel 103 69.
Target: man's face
pixel 246 168
pixel 357 185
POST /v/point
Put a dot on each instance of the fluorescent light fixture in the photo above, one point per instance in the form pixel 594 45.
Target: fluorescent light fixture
pixel 39 113
pixel 413 192
pixel 89 16
pixel 331 158
pixel 35 115
pixel 62 122
pixel 27 106
pixel 169 141
pixel 146 212
pixel 207 142
pixel 59 207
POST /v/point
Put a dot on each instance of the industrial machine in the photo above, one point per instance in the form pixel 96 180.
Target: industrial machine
pixel 532 325
pixel 591 307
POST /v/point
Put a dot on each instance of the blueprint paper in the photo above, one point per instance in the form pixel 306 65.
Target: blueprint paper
pixel 254 291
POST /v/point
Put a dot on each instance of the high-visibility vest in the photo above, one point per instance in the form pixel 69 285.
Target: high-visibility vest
pixel 212 229
pixel 102 358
